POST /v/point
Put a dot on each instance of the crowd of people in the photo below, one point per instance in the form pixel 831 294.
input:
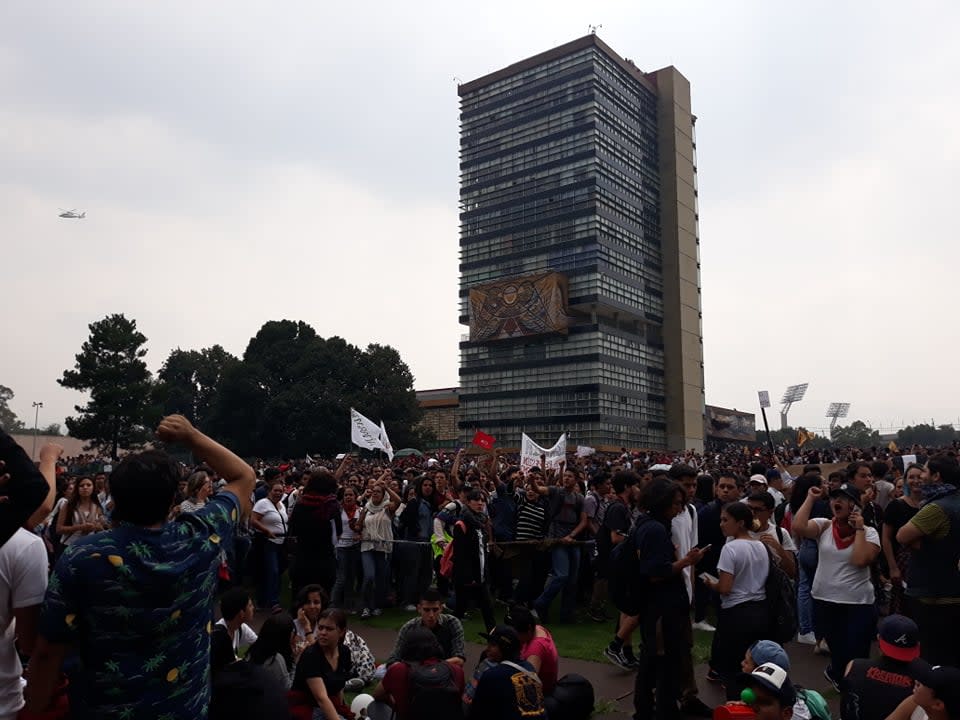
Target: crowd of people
pixel 114 578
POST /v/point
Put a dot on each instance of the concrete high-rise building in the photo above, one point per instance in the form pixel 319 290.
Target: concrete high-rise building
pixel 579 253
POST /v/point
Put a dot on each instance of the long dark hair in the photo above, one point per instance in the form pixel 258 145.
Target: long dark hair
pixel 802 488
pixel 658 498
pixel 74 500
pixel 274 639
pixel 419 645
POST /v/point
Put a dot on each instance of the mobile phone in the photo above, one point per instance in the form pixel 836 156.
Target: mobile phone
pixel 707 577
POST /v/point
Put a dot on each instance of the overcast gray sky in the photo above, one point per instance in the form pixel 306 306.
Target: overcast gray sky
pixel 248 162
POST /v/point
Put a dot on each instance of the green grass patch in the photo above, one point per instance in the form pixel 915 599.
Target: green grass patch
pixel 584 640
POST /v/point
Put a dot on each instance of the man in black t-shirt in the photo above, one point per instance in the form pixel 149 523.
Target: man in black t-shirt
pixel 614 530
pixel 875 688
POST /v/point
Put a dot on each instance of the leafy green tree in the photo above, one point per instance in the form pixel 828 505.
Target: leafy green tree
pixel 111 369
pixel 927 435
pixel 188 381
pixel 856 434
pixel 8 418
pixel 291 393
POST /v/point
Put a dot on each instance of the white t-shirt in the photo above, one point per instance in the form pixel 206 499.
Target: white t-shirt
pixel 749 563
pixel 23 581
pixel 685 535
pixel 838 580
pixel 242 638
pixel 275 520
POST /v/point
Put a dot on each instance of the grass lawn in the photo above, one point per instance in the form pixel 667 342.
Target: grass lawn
pixel 584 640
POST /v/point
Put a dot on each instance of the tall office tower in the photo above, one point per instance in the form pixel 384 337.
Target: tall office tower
pixel 579 253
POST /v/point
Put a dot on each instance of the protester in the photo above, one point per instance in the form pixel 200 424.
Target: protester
pixel 741 583
pixel 132 601
pixel 933 535
pixel 323 671
pixel 199 488
pixel 875 688
pixel 510 689
pixel 936 694
pixel 236 612
pixel 711 538
pixel 897 514
pixel 81 515
pixel 376 545
pixel 413 558
pixel 615 529
pixel 470 560
pixel 842 586
pixel 269 519
pixel 447 628
pixel 537 647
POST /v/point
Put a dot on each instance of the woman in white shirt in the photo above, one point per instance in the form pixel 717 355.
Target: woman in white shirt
pixel 269 519
pixel 842 590
pixel 744 615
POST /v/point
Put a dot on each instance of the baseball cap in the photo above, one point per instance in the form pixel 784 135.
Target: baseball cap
pixel 773 678
pixel 767 651
pixel 846 491
pixel 899 638
pixel 758 478
pixel 506 637
pixel 773 474
pixel 944 681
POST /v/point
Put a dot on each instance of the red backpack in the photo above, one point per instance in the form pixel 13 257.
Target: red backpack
pixel 446 560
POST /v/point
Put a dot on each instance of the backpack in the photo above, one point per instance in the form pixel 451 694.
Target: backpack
pixel 572 699
pixel 816 704
pixel 782 601
pixel 446 560
pixel 623 585
pixel 433 692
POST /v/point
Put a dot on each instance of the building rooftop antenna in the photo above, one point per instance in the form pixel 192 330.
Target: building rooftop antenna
pixel 594 28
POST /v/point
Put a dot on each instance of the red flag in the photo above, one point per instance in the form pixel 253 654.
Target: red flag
pixel 481 439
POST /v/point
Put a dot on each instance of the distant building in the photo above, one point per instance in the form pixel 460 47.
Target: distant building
pixel 440 416
pixel 579 253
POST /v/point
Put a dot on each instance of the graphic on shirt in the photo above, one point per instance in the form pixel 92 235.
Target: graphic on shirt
pixel 529 694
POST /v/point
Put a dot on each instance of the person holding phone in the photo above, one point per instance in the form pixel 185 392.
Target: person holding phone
pixel 843 594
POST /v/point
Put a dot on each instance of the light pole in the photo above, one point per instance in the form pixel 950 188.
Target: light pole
pixel 36 419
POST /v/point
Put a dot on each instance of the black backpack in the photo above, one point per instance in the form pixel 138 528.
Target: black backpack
pixel 782 601
pixel 572 699
pixel 434 694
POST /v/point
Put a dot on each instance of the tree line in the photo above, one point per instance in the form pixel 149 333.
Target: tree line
pixel 289 395
pixel 858 434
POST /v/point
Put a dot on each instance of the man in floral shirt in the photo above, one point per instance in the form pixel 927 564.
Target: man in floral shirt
pixel 135 603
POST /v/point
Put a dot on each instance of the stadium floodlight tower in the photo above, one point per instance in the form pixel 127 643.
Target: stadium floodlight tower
pixel 794 394
pixel 835 411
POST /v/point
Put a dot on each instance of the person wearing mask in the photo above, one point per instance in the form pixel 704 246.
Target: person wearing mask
pixel 667 607
pixel 933 535
pixel 842 586
pixel 875 688
pixel 741 583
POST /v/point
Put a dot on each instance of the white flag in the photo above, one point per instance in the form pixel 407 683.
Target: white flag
pixel 310 459
pixel 364 432
pixel 385 441
pixel 585 451
pixel 530 453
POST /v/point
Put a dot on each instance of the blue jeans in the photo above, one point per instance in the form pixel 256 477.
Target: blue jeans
pixel 805 601
pixel 348 569
pixel 849 631
pixel 376 570
pixel 269 591
pixel 565 561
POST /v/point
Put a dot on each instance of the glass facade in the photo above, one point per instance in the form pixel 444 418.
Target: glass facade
pixel 560 172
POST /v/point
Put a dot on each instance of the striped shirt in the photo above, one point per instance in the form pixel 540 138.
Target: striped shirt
pixel 531 518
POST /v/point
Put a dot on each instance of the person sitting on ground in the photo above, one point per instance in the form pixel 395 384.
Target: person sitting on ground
pixel 242 690
pixel 509 689
pixel 236 610
pixel 323 671
pixel 774 696
pixel 447 628
pixel 275 649
pixel 875 688
pixel 420 648
pixel 810 704
pixel 131 602
pixel 936 694
pixel 311 601
pixel 537 648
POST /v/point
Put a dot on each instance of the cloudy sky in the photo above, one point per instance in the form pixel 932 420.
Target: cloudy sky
pixel 245 162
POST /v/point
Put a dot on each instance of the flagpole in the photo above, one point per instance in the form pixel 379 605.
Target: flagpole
pixel 766 427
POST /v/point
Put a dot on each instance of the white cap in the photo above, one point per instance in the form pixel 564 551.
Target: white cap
pixel 758 479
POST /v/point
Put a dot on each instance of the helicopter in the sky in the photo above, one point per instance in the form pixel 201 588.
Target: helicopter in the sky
pixel 73 214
